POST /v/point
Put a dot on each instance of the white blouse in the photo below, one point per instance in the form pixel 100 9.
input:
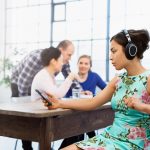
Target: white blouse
pixel 43 81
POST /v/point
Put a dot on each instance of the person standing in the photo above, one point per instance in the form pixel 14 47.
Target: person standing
pixel 29 66
pixel 44 80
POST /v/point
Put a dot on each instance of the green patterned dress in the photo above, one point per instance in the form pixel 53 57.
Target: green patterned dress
pixel 130 129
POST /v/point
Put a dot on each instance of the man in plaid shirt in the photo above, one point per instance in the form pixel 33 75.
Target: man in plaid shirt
pixel 24 72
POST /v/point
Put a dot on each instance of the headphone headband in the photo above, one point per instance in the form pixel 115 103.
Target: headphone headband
pixel 127 35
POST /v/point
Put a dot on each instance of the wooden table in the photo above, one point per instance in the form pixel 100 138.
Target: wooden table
pixel 32 121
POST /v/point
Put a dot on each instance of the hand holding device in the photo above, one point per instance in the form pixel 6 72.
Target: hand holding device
pixel 44 96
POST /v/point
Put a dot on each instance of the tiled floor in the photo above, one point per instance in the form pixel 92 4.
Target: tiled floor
pixel 9 144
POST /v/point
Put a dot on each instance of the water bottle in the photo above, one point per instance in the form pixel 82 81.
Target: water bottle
pixel 76 91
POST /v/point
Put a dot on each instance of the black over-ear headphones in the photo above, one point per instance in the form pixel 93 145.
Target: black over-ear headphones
pixel 130 49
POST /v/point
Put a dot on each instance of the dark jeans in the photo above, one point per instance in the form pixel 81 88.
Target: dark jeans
pixel 26 145
pixel 74 139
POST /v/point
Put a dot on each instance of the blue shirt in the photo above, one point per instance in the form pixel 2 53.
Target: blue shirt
pixel 93 81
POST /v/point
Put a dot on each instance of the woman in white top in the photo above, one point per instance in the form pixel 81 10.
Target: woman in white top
pixel 45 79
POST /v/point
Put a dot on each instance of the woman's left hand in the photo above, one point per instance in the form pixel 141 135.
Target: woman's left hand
pixel 133 102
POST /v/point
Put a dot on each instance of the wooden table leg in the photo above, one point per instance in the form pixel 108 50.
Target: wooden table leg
pixel 45 135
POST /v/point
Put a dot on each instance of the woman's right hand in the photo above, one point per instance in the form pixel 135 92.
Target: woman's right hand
pixel 53 100
pixel 73 76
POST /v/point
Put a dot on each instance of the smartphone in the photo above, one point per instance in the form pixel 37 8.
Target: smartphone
pixel 44 96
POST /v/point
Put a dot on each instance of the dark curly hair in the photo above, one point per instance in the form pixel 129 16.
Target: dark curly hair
pixel 140 38
pixel 48 54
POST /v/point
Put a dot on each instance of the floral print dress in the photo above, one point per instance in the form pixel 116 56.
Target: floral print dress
pixel 130 129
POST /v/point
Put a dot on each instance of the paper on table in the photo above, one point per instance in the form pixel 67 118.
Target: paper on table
pixel 85 96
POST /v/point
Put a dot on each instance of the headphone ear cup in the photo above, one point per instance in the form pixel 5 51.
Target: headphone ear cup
pixel 130 51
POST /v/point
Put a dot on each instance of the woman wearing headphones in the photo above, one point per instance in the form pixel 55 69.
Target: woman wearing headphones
pixel 131 128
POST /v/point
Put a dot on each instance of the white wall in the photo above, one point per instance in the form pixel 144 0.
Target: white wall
pixel 2 26
pixel 5 94
pixel 4 91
